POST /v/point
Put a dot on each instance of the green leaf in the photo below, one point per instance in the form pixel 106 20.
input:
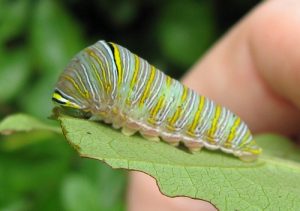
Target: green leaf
pixel 24 123
pixel 98 187
pixel 14 67
pixel 34 170
pixel 270 183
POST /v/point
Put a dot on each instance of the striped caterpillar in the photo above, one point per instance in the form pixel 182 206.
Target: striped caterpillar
pixel 107 82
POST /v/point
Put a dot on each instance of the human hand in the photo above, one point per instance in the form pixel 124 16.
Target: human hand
pixel 255 72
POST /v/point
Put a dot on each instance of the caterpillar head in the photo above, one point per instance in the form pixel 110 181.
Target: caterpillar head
pixel 69 95
pixel 80 86
pixel 70 90
pixel 249 152
pixel 63 100
pixel 68 106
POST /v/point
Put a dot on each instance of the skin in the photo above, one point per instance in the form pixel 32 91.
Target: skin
pixel 254 70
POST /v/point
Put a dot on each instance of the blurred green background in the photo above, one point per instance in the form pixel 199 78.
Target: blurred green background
pixel 40 171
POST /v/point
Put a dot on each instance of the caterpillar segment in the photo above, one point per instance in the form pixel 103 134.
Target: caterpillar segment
pixel 116 86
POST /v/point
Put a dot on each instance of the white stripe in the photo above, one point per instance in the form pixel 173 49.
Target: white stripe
pixel 88 81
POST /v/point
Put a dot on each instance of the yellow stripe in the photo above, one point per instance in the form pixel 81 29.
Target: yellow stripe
pixel 168 81
pixel 256 151
pixel 251 146
pixel 118 63
pixel 106 82
pixel 66 101
pixel 90 52
pixel 158 106
pixel 192 128
pixel 184 95
pixel 87 94
pixel 134 77
pixel 58 96
pixel 156 109
pixel 213 128
pixel 178 112
pixel 98 76
pixel 233 130
pixel 247 135
pixel 147 89
pixel 136 69
pixel 74 84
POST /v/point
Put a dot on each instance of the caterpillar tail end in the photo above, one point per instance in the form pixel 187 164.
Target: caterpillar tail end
pixel 251 154
pixel 248 157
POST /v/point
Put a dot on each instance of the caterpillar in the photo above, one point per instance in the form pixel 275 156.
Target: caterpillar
pixel 106 82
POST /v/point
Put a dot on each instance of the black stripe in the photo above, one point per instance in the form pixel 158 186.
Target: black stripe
pixel 110 45
pixel 61 94
pixel 58 101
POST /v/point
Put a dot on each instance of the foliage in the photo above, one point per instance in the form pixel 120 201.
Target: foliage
pixel 38 171
pixel 223 180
